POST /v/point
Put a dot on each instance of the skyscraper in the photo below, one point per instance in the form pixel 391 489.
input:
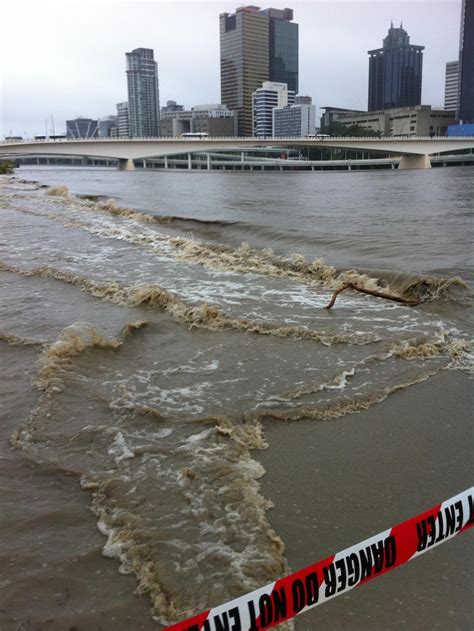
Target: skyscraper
pixel 451 86
pixel 395 72
pixel 283 47
pixel 143 94
pixel 466 63
pixel 256 46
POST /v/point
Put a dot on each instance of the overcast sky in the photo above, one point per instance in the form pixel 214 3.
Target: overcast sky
pixel 64 59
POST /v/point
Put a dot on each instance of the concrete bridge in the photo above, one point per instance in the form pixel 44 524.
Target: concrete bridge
pixel 413 153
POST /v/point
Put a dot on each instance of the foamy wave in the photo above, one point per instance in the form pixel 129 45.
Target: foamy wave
pixel 344 406
pixel 429 288
pixel 246 259
pixel 17 340
pixel 458 351
pixel 58 191
pixel 201 316
pixel 218 493
pixel 73 341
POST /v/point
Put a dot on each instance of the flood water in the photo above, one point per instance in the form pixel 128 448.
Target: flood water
pixel 152 323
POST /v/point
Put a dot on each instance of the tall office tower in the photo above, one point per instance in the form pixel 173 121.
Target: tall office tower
pixel 283 47
pixel 244 61
pixel 123 130
pixel 256 46
pixel 269 96
pixel 451 86
pixel 466 63
pixel 395 72
pixel 143 95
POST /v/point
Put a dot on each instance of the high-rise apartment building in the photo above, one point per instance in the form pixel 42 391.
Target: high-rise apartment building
pixel 255 46
pixel 395 72
pixel 451 86
pixel 264 100
pixel 466 63
pixel 143 94
pixel 123 130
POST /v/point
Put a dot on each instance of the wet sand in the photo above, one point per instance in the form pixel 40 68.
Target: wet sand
pixel 337 483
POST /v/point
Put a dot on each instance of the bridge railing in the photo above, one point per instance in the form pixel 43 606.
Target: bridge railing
pixel 288 139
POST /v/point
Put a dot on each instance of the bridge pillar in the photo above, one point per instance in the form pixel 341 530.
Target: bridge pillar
pixel 166 162
pixel 415 162
pixel 126 164
pixel 208 161
pixel 190 164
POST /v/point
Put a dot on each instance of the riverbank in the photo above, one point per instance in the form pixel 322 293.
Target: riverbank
pixel 336 483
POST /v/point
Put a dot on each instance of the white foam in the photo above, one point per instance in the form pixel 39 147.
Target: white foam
pixel 120 449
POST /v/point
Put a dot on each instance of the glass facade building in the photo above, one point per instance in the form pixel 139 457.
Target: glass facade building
pixel 466 63
pixel 395 72
pixel 82 128
pixel 255 46
pixel 283 47
pixel 244 61
pixel 143 95
pixel 108 127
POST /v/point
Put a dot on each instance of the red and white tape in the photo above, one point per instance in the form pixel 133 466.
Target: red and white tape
pixel 288 597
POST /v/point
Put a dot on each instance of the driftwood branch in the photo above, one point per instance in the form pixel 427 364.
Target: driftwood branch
pixel 371 292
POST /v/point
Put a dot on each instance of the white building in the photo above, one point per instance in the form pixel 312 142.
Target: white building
pixel 123 129
pixel 294 121
pixel 451 86
pixel 269 96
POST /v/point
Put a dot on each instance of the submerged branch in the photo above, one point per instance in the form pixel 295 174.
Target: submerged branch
pixel 371 292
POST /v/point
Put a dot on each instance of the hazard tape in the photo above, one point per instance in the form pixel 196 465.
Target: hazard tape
pixel 288 597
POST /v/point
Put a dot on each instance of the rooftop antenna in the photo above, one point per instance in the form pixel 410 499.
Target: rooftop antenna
pixel 391 23
pixel 401 24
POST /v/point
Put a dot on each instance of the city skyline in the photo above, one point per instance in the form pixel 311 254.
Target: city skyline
pixel 185 39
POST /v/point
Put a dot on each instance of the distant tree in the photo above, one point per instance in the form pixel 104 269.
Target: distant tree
pixel 6 167
pixel 339 129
